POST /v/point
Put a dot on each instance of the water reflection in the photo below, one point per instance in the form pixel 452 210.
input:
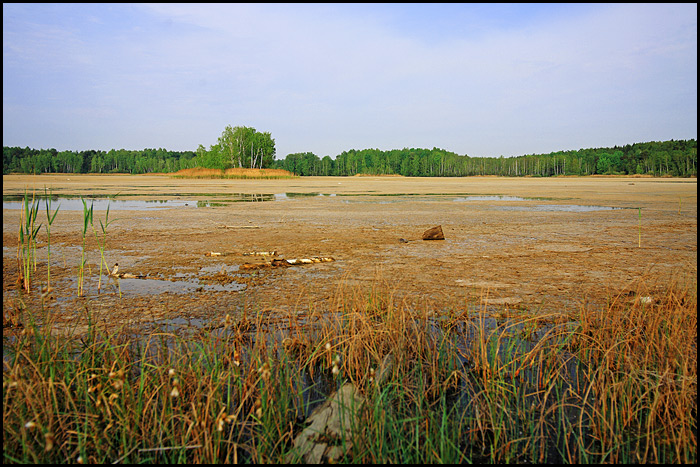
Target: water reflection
pixel 101 204
pixel 202 200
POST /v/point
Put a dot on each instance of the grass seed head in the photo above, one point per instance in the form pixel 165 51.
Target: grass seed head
pixel 49 438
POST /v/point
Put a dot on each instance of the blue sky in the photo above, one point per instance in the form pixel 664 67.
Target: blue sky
pixel 475 79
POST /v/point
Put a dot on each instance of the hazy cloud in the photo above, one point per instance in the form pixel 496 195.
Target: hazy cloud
pixel 474 79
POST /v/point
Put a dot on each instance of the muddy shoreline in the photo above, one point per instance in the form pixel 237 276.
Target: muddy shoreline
pixel 532 255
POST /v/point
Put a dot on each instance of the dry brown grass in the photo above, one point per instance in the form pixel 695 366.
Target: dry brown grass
pixel 641 353
pixel 463 392
pixel 239 172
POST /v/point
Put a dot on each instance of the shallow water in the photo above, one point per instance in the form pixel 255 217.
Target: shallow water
pixel 558 207
pixel 191 200
pixel 101 204
pixel 491 198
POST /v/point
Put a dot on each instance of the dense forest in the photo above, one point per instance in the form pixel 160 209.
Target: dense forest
pixel 675 158
pixel 236 147
pixel 245 147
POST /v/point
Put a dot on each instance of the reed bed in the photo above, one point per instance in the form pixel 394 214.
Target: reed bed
pixel 233 173
pixel 610 385
pixel 26 241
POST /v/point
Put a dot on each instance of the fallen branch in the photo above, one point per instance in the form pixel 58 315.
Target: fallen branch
pixel 261 253
pixel 237 226
pixel 286 262
pixel 252 253
pixel 126 275
pixel 122 275
pixel 216 253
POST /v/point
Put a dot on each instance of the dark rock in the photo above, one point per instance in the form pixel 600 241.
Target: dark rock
pixel 434 233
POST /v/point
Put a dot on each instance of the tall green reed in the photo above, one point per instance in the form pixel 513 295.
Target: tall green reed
pixel 26 247
pixel 50 218
pixel 87 221
pixel 102 242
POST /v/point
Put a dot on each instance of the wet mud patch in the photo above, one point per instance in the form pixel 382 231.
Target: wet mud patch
pixel 501 240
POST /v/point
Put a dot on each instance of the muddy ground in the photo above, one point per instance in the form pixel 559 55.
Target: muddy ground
pixel 552 252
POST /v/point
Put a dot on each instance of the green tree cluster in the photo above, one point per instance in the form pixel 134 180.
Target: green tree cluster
pixel 238 146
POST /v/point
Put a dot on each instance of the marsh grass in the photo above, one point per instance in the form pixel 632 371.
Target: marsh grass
pixel 233 173
pixel 50 218
pixel 26 245
pixel 87 221
pixel 102 242
pixel 616 384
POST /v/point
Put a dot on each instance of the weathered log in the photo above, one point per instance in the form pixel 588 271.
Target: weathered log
pixel 126 275
pixel 278 262
pixel 261 253
pixel 315 259
pixel 434 233
pixel 238 226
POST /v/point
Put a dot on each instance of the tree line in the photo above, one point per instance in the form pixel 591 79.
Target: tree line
pixel 246 147
pixel 674 158
pixel 236 147
pixel 37 161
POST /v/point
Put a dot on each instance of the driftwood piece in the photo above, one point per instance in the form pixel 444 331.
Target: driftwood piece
pixel 237 226
pixel 252 253
pixel 261 253
pixel 215 253
pixel 277 262
pixel 123 275
pixel 434 233
pixel 126 275
pixel 315 259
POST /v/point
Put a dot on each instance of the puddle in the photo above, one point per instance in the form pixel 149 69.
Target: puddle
pixel 156 286
pixel 177 324
pixel 491 198
pixel 151 286
pixel 100 204
pixel 217 268
pixel 193 200
pixel 292 195
pixel 557 207
pixel 14 202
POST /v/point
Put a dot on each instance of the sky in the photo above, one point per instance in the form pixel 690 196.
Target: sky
pixel 484 80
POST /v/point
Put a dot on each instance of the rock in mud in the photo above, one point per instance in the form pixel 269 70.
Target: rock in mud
pixel 331 428
pixel 434 233
pixel 333 424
